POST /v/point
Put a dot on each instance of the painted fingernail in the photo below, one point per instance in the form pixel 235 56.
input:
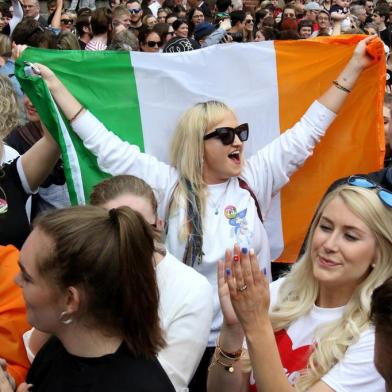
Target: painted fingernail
pixel 244 250
pixel 236 258
pixel 228 272
pixel 251 251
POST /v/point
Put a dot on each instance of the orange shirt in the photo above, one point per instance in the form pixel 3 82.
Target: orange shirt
pixel 13 321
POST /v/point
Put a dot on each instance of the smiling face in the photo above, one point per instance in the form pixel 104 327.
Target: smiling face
pixel 31 113
pixel 222 162
pixel 249 23
pixel 182 31
pixel 43 304
pixel 342 248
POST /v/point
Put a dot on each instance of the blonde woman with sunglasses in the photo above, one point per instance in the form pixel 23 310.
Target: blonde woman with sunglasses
pixel 203 192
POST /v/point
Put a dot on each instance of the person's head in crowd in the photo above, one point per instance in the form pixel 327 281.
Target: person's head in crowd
pixel 237 19
pixel 180 28
pixel 161 15
pixel 129 191
pixel 305 28
pixel 370 29
pixel 31 8
pixel 136 12
pixel 380 15
pixel 115 3
pixel 83 28
pixel 202 31
pixel 29 32
pixel 101 21
pixel 84 12
pixel 5 49
pixel 268 22
pixel 124 40
pixel 171 18
pixel 67 21
pixel 369 7
pixel 149 21
pixel 381 316
pixel 269 33
pixel 387 123
pixel 259 36
pixel 195 16
pixel 249 27
pixel 237 5
pixel 223 6
pixel 51 6
pixel 121 17
pixel 149 41
pixel 66 40
pixel 68 265
pixel 288 13
pixel 178 44
pixel 324 22
pixel 359 11
pixel 288 24
pixel 312 9
pixel 259 17
pixel 165 31
pixel 288 35
pixel 31 112
pixel 9 112
pixel 179 11
pixel 5 16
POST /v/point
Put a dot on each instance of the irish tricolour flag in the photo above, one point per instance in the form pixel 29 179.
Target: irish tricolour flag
pixel 140 97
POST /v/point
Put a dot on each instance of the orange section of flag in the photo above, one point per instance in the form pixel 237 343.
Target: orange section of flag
pixel 13 321
pixel 353 144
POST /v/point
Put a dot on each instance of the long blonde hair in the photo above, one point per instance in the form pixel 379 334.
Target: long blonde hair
pixel 296 299
pixel 187 152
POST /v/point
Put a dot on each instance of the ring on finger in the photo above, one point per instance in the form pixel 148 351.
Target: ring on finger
pixel 242 288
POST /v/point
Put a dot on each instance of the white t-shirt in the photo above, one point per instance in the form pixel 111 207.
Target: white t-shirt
pixel 354 373
pixel 237 221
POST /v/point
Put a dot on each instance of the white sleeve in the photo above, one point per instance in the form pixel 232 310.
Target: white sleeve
pixel 270 168
pixel 187 337
pixel 17 15
pixel 356 371
pixel 115 156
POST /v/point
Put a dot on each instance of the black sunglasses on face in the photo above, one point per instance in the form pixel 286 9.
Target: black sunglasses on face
pixel 134 10
pixel 227 134
pixel 153 44
pixel 67 21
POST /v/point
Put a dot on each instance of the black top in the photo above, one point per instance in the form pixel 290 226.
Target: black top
pixel 14 224
pixel 55 370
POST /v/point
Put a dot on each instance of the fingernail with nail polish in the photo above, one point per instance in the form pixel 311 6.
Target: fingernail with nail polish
pixel 244 251
pixel 236 258
pixel 228 272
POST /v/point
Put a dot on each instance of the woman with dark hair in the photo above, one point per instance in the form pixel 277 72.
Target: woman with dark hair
pixel 165 31
pixel 88 279
pixel 101 26
pixel 149 40
pixel 195 17
pixel 180 28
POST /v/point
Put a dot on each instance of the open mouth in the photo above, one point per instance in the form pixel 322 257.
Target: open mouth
pixel 235 157
pixel 328 263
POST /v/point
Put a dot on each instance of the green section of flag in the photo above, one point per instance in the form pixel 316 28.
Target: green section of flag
pixel 104 83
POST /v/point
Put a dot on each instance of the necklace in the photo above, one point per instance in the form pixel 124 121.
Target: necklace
pixel 216 205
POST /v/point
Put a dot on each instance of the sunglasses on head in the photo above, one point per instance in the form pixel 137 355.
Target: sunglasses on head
pixel 227 134
pixel 153 44
pixel 67 21
pixel 363 182
pixel 134 10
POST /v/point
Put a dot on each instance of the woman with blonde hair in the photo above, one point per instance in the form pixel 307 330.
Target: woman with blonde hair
pixel 309 331
pixel 210 195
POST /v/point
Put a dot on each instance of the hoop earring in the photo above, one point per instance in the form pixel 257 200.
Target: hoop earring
pixel 65 318
pixel 373 265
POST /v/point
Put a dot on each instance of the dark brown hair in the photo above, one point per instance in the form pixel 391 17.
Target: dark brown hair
pixel 109 256
pixel 381 308
pixel 101 21
pixel 121 185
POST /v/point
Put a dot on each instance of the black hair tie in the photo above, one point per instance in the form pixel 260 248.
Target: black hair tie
pixel 113 215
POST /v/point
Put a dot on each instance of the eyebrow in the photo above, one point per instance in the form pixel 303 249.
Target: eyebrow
pixel 345 226
pixel 23 269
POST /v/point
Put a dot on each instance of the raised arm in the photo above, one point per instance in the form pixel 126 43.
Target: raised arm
pixel 17 15
pixel 40 159
pixel 57 14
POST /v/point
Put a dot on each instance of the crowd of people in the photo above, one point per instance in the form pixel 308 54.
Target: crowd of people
pixel 112 296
